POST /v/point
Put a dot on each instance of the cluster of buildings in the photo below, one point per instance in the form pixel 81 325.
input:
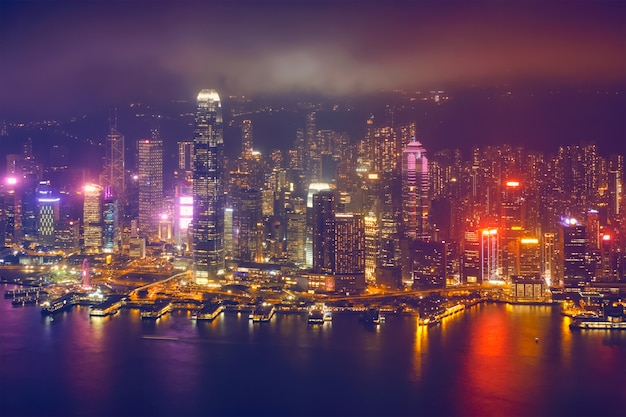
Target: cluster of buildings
pixel 335 214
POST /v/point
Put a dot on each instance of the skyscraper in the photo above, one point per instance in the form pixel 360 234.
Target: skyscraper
pixel 208 190
pixel 92 218
pixel 150 185
pixel 415 200
pixel 324 204
pixel 574 252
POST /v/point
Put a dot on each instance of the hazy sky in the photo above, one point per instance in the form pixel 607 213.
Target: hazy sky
pixel 60 55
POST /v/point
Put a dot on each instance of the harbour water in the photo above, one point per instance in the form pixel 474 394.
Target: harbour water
pixel 490 360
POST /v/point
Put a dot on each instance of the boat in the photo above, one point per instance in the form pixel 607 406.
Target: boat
pixel 263 312
pixel 209 311
pixel 59 304
pixel 601 324
pixel 319 314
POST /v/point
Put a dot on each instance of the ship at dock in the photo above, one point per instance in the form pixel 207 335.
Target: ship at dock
pixel 263 313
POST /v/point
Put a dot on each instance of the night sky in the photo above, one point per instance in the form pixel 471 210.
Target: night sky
pixel 64 56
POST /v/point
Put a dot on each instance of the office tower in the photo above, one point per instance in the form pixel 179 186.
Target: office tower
pixel 511 226
pixel 574 252
pixel 183 215
pixel 247 217
pixel 324 203
pixel 208 190
pixel 547 258
pixel 10 208
pixel 246 137
pixel 92 218
pixel 114 165
pixel 185 156
pixel 296 232
pixel 228 233
pixel 470 266
pixel 615 185
pixel 150 167
pixel 490 255
pixel 529 257
pixel 593 230
pixel 111 233
pixel 608 271
pixel 47 213
pixel 415 202
pixel 313 156
pixel 372 245
pixel 428 266
pixel 349 245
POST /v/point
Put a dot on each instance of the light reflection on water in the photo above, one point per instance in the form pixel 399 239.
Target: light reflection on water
pixel 483 361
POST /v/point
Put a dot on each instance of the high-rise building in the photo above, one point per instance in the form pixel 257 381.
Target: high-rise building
pixel 47 213
pixel 574 240
pixel 470 266
pixel 246 137
pixel 111 234
pixel 349 268
pixel 490 255
pixel 529 257
pixel 415 201
pixel 150 179
pixel 548 258
pixel 324 203
pixel 247 216
pixel 208 190
pixel 92 218
pixel 114 165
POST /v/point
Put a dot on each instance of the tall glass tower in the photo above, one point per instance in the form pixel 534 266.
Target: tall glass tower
pixel 415 202
pixel 208 190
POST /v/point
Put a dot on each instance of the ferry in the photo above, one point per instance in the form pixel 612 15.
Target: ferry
pixel 319 314
pixel 612 323
pixel 155 311
pixel 263 313
pixel 59 304
pixel 208 312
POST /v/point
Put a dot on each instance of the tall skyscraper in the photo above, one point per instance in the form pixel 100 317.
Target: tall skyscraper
pixel 92 218
pixel 114 165
pixel 574 240
pixel 150 186
pixel 324 204
pixel 111 234
pixel 47 213
pixel 246 137
pixel 247 216
pixel 208 190
pixel 415 201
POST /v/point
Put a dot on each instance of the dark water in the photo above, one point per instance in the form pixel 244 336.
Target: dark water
pixel 484 361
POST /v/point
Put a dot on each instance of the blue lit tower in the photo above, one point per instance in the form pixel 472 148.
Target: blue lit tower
pixel 208 190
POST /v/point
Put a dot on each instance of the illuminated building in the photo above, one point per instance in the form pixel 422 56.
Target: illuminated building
pixel 615 187
pixel 296 234
pixel 324 203
pixel 246 137
pixel 110 223
pixel 228 233
pixel 349 245
pixel 608 271
pixel 150 185
pixel 183 214
pixel 11 211
pixel 114 163
pixel 67 235
pixel 47 213
pixel 415 185
pixel 185 159
pixel 470 265
pixel 247 215
pixel 92 218
pixel 529 257
pixel 208 190
pixel 165 228
pixel 548 258
pixel 372 243
pixel 428 265
pixel 313 156
pixel 511 226
pixel 574 252
pixel 490 255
